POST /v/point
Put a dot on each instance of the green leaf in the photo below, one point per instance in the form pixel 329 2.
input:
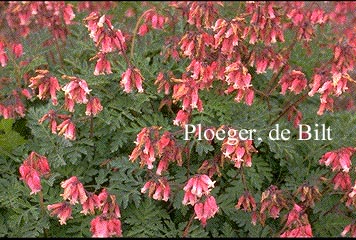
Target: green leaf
pixel 9 139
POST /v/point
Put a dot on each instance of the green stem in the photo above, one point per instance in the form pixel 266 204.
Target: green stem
pixel 186 229
pixel 43 211
pixel 135 33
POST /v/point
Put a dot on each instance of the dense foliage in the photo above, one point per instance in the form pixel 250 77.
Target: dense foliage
pixel 111 117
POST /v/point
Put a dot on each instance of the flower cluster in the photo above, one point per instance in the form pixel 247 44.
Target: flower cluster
pixel 46 84
pixel 149 146
pixel 34 167
pixel 76 91
pixel 297 223
pixel 308 194
pixel 13 106
pixel 239 153
pixel 294 81
pixel 247 202
pixel 106 224
pixel 272 200
pixel 197 193
pixel 131 77
pixel 153 19
pixel 339 159
pixel 106 38
pixel 22 16
pixel 157 189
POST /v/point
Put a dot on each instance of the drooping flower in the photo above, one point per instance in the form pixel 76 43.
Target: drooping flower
pixel 297 223
pixel 63 211
pixel 342 180
pixel 102 64
pixel 247 202
pixel 103 33
pixel 33 167
pixel 31 177
pixel 308 194
pixel 3 55
pixel 349 228
pixel 73 190
pixel 239 79
pixel 205 210
pixel 90 204
pixel 38 162
pixel 103 227
pixel 168 151
pixel 145 148
pixel 17 49
pixel 158 190
pixel 93 106
pixel 300 231
pixel 196 187
pixel 339 159
pixel 162 83
pixel 272 200
pixel 182 118
pixel 131 77
pixel 46 84
pixel 75 91
pixel 109 206
pixel 294 81
pixel 238 151
pixel 67 128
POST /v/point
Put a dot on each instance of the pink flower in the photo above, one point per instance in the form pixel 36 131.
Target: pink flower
pixel 162 84
pixel 17 49
pixel 247 202
pixel 90 204
pixel 67 128
pixel 182 118
pixel 63 211
pixel 108 205
pixel 74 190
pixel 99 227
pixel 46 84
pixel 294 214
pixel 102 197
pixel 349 228
pixel 53 116
pixel 68 14
pixel 102 65
pixel 342 180
pixel 145 147
pixel 159 190
pixel 353 192
pixel 301 231
pixel 129 77
pixel 294 81
pixel 31 177
pixel 33 167
pixel 103 33
pixel 3 55
pixel 114 227
pixel 206 210
pixel 339 159
pixel 239 152
pixel 102 227
pixel 143 30
pixel 197 186
pixel 93 107
pixel 272 200
pixel 76 90
pixel 25 92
